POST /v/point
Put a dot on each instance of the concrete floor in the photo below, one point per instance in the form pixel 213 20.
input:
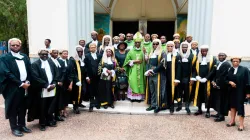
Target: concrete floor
pixel 102 126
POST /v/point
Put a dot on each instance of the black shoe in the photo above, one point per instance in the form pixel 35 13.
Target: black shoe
pixel 25 129
pixel 59 118
pixel 17 133
pixel 157 110
pixel 98 107
pixel 240 129
pixel 215 116
pixel 171 112
pixel 163 108
pixel 52 124
pixel 90 109
pixel 199 112
pixel 42 128
pixel 82 106
pixel 219 119
pixel 76 111
pixel 188 111
pixel 105 106
pixel 112 106
pixel 230 125
pixel 150 108
pixel 207 115
pixel 178 109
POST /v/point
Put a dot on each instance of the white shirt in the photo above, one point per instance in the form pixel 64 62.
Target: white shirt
pixel 96 42
pixel 56 62
pixel 169 57
pixel 220 64
pixel 94 56
pixel 115 46
pixel 65 62
pixel 21 66
pixel 194 51
pixel 184 59
pixel 204 61
pixel 235 70
pixel 46 67
pixel 109 61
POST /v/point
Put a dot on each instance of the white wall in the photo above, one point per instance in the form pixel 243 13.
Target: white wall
pixel 230 27
pixel 47 19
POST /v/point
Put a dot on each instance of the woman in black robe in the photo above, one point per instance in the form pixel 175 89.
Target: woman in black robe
pixel 122 79
pixel 106 70
pixel 239 81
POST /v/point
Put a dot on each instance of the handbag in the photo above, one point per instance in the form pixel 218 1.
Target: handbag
pixel 122 81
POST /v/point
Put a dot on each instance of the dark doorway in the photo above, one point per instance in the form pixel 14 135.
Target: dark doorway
pixel 161 28
pixel 125 27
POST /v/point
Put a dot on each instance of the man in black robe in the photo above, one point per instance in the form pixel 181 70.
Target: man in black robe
pixel 61 70
pixel 91 61
pixel 220 89
pixel 188 61
pixel 94 35
pixel 44 79
pixel 205 65
pixel 14 84
pixel 172 68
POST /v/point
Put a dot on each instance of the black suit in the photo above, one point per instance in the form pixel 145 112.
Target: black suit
pixel 40 81
pixel 86 50
pixel 92 73
pixel 219 95
pixel 14 95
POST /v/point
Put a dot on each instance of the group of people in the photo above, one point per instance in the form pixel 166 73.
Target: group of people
pixel 140 68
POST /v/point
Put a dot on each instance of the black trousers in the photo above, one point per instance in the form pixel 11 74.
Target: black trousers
pixel 170 102
pixel 93 90
pixel 18 112
pixel 184 93
pixel 202 97
pixel 45 116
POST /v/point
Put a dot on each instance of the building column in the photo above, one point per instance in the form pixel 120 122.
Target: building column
pixel 65 22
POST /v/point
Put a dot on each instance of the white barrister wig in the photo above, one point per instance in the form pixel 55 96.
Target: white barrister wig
pixel 194 42
pixel 94 32
pixel 204 47
pixel 170 42
pixel 176 34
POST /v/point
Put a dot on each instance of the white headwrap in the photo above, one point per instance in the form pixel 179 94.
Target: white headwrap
pixel 106 59
pixel 77 56
pixel 158 50
pixel 110 42
pixel 172 43
pixel 181 52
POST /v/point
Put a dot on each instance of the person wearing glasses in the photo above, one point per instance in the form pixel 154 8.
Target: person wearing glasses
pixel 154 92
pixel 15 83
pixel 238 79
pixel 44 80
pixel 205 67
pixel 170 65
pixel 129 40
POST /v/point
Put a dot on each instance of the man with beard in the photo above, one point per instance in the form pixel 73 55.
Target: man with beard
pixel 187 76
pixel 205 65
pixel 94 35
pixel 163 43
pixel 14 80
pixel 220 87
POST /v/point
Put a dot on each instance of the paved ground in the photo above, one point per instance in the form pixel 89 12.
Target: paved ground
pixel 101 126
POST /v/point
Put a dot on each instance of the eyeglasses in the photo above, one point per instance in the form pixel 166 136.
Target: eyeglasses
pixel 128 36
pixel 80 51
pixel 155 43
pixel 44 54
pixel 170 46
pixel 15 45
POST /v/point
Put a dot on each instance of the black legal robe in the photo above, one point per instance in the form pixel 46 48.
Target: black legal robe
pixel 187 72
pixel 203 90
pixel 172 71
pixel 77 92
pixel 92 73
pixel 237 95
pixel 10 82
pixel 86 50
pixel 219 94
pixel 40 81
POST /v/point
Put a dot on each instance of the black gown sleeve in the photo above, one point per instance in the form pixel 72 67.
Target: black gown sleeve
pixel 36 78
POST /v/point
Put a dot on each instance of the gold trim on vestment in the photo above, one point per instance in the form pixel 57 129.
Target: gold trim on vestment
pixel 190 86
pixel 173 76
pixel 80 79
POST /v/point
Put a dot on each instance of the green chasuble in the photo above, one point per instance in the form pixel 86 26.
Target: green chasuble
pixel 164 46
pixel 130 43
pixel 148 46
pixel 136 78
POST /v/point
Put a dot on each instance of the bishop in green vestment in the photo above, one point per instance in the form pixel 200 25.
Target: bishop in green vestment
pixel 134 66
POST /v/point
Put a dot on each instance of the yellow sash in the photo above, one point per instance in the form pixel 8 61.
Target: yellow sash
pixel 198 83
pixel 173 76
pixel 190 86
pixel 80 79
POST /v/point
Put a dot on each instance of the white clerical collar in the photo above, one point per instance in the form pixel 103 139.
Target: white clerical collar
pixel 137 48
pixel 17 55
